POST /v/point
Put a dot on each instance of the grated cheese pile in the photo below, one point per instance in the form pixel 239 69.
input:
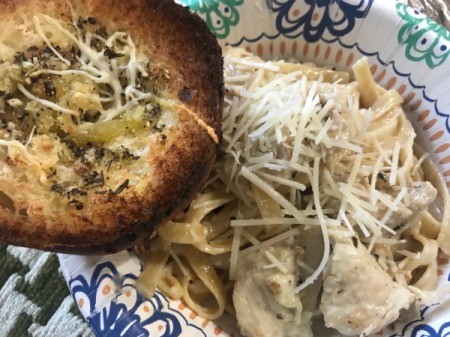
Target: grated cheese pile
pixel 305 153
pixel 99 66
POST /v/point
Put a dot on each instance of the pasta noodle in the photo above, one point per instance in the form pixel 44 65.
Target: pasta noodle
pixel 313 160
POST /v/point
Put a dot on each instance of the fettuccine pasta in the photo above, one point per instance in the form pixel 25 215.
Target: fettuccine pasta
pixel 313 160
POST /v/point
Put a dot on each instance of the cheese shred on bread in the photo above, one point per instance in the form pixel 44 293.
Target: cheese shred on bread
pixel 110 114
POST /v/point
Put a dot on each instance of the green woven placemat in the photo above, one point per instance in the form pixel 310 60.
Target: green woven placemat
pixel 34 298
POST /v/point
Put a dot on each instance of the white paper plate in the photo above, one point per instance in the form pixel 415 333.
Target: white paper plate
pixel 406 50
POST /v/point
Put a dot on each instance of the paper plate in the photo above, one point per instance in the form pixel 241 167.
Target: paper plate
pixel 407 52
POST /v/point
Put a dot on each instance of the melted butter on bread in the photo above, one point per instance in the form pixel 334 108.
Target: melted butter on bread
pixel 103 104
pixel 87 109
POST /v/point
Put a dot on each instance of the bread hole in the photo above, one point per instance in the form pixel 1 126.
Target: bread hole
pixel 23 213
pixel 7 203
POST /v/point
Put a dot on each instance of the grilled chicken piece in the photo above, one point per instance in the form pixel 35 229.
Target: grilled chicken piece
pixel 264 299
pixel 359 298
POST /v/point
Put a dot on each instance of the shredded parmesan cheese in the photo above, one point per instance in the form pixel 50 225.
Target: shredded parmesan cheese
pixel 275 262
pixel 419 162
pixel 394 170
pixel 326 240
pixel 270 242
pixel 27 156
pixel 235 252
pixel 99 68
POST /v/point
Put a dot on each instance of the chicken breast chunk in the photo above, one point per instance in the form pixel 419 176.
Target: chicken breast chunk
pixel 264 298
pixel 359 298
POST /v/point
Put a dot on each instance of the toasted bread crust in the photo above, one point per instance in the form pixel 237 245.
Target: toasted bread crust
pixel 176 40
